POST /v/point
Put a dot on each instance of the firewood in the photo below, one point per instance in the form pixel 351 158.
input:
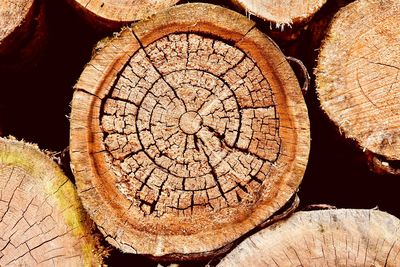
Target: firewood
pixel 112 14
pixel 323 238
pixel 21 30
pixel 281 12
pixel 42 222
pixel 187 130
pixel 357 76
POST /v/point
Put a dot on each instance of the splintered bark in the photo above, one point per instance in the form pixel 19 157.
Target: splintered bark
pixel 323 238
pixel 187 130
pixel 112 14
pixel 358 76
pixel 42 222
pixel 21 30
pixel 281 12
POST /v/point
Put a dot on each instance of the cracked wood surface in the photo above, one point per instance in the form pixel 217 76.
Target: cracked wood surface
pixel 358 75
pixel 42 222
pixel 323 238
pixel 115 13
pixel 281 12
pixel 187 130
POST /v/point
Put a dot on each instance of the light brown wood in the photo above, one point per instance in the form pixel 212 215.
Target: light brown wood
pixel 281 12
pixel 42 222
pixel 323 238
pixel 358 75
pixel 187 130
pixel 115 13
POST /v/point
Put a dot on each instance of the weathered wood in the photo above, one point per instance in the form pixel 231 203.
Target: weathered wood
pixel 187 130
pixel 21 30
pixel 42 222
pixel 281 12
pixel 112 14
pixel 357 75
pixel 323 238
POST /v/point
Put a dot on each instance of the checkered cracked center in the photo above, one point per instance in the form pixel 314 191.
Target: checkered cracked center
pixel 190 126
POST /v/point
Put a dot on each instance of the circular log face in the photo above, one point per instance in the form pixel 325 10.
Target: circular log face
pixel 124 10
pixel 12 15
pixel 282 11
pixel 187 131
pixel 323 238
pixel 42 222
pixel 358 75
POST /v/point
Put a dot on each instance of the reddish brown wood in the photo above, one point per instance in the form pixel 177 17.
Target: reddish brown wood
pixel 187 130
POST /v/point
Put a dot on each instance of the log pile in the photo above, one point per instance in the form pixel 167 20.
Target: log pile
pixel 189 133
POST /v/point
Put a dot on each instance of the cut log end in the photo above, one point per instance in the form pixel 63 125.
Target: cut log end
pixel 281 13
pixel 186 132
pixel 41 219
pixel 357 75
pixel 323 238
pixel 112 14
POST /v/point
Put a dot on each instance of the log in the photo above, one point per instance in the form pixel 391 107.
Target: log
pixel 323 238
pixel 357 76
pixel 22 30
pixel 112 14
pixel 281 12
pixel 187 130
pixel 42 222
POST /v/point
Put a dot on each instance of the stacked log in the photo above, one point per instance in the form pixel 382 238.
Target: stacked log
pixel 42 222
pixel 112 14
pixel 188 130
pixel 323 238
pixel 281 13
pixel 357 78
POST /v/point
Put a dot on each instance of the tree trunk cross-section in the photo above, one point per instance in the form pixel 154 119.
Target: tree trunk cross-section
pixel 187 131
pixel 323 238
pixel 358 75
pixel 42 222
pixel 282 12
pixel 114 13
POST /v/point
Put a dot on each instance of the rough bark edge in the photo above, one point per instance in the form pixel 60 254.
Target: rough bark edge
pixel 107 66
pixel 30 158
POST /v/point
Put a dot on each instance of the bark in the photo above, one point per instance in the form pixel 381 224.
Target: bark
pixel 112 14
pixel 42 222
pixel 357 76
pixel 323 238
pixel 22 31
pixel 187 130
